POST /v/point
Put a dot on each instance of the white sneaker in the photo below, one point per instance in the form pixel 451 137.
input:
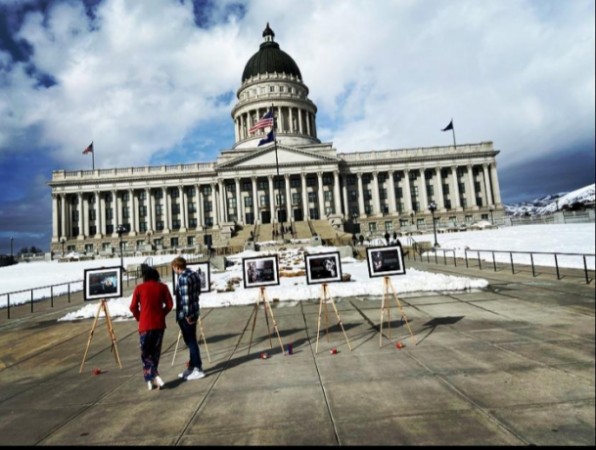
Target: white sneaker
pixel 150 385
pixel 184 374
pixel 196 374
pixel 158 382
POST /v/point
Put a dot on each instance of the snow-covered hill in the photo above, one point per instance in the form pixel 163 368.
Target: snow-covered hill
pixel 583 197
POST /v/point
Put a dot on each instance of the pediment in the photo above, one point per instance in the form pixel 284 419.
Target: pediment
pixel 266 157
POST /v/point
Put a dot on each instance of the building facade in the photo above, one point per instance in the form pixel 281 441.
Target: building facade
pixel 294 179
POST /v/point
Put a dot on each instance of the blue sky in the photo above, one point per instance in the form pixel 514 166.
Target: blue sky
pixel 154 81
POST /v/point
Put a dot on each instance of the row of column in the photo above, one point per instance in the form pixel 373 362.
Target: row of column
pixel 62 212
pixel 288 120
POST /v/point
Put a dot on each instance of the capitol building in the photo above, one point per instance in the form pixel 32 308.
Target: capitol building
pixel 295 183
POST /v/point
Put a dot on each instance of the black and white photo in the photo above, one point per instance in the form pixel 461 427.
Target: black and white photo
pixel 385 261
pixel 260 271
pixel 322 268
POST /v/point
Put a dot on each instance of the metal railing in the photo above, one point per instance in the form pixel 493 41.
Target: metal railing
pixel 503 258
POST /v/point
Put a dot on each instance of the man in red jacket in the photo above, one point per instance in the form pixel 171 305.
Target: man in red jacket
pixel 151 302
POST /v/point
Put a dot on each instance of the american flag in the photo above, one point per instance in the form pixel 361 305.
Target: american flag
pixel 89 149
pixel 263 122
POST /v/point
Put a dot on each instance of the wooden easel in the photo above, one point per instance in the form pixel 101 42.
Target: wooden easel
pixel 202 333
pixel 103 305
pixel 387 285
pixel 326 298
pixel 267 309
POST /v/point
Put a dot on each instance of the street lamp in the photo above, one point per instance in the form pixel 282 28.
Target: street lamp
pixel 490 210
pixel 121 230
pixel 63 241
pixel 432 206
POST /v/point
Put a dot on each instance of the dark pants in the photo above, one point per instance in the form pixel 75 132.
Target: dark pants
pixel 151 342
pixel 189 334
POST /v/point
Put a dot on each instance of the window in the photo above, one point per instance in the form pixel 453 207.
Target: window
pixel 142 211
pixel 262 185
pixel 327 179
pixel 295 182
pixel 248 201
pixel 328 196
pixel 312 197
pixel 159 225
pixel 192 222
pixel 232 203
pixel 109 213
pixel 88 248
pixel 295 198
pixel 175 208
pixel 125 212
pixel 158 210
pixel 158 194
pixel 174 242
pixel 246 186
pixel 372 227
pixel 190 240
pixel 353 195
pixel 383 193
pixel 264 200
pixel 207 206
pixel 311 181
pixel 389 226
pixel 142 227
pixel 206 190
pixel 142 195
pixel 92 214
pixel 404 222
pixel 176 224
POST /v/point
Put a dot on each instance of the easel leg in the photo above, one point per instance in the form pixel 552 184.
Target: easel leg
pixel 268 307
pixel 202 331
pixel 254 313
pixel 90 336
pixel 387 285
pixel 111 331
pixel 324 297
pixel 176 348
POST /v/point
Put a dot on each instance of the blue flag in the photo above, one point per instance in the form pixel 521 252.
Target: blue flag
pixel 270 138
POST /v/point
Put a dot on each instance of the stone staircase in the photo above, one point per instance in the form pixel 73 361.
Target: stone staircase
pixel 237 242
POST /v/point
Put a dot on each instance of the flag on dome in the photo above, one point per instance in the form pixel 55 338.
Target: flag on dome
pixel 89 149
pixel 270 138
pixel 263 122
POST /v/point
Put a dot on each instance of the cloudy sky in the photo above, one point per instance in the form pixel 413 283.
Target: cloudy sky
pixel 153 82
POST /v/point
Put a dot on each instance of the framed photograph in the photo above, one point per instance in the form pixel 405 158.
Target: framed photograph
pixel 102 283
pixel 322 268
pixel 204 270
pixel 260 271
pixel 385 261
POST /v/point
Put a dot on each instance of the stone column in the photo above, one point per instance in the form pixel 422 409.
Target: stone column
pixel 392 201
pixel 64 228
pixel 375 193
pixel 422 188
pixel 344 191
pixel 306 212
pixel 271 199
pixel 407 192
pixel 183 209
pixel 134 211
pixel 495 185
pixel 471 194
pixel 199 207
pixel 454 184
pixel 361 211
pixel 288 198
pixel 85 216
pixel 255 201
pixel 223 197
pixel 440 198
pixel 55 222
pixel 102 208
pixel 214 212
pixel 150 211
pixel 336 194
pixel 320 195
pixel 98 215
pixel 239 205
pixel 115 221
pixel 167 211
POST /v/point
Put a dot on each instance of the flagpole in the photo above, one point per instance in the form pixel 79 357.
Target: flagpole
pixel 278 208
pixel 453 131
pixel 93 159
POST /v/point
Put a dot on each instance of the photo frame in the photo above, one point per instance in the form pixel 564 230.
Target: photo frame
pixel 204 270
pixel 322 267
pixel 385 261
pixel 99 284
pixel 260 271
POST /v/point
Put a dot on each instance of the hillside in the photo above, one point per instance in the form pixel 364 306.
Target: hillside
pixel 579 199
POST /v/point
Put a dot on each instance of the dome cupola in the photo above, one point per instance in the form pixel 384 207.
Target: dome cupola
pixel 270 59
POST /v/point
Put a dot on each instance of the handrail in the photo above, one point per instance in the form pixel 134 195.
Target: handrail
pixel 470 254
